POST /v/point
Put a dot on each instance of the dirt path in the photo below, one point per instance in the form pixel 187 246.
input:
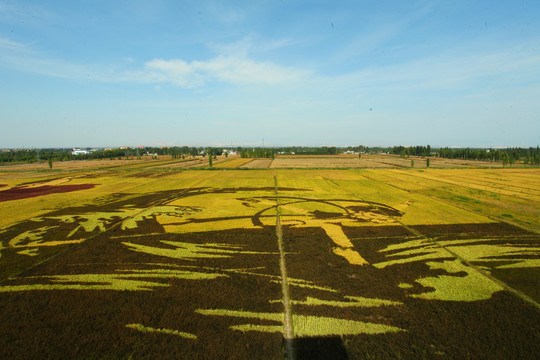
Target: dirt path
pixel 288 331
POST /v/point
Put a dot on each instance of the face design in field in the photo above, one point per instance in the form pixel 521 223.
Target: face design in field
pixel 306 212
pixel 260 211
pixel 169 214
pixel 331 216
pixel 203 245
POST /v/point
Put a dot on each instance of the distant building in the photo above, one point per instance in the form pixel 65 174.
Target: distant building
pixel 80 152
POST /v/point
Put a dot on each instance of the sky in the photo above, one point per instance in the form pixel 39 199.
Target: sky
pixel 309 73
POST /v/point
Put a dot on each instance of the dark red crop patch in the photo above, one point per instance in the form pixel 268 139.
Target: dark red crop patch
pixel 25 192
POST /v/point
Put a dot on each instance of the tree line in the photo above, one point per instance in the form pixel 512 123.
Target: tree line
pixel 64 154
pixel 508 156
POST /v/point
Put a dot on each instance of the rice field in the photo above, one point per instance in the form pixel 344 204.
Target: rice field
pixel 380 263
pixel 235 162
pixel 380 161
pixel 258 164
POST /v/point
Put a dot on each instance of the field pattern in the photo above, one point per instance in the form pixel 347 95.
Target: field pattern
pixel 185 264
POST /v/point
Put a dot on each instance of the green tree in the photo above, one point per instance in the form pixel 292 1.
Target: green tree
pixel 412 163
pixel 209 157
pixel 505 158
pixel 50 162
pixel 427 161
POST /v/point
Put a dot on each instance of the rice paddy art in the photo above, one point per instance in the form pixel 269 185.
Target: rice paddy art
pixel 188 264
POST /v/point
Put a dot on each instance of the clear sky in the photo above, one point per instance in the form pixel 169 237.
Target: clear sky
pixel 113 73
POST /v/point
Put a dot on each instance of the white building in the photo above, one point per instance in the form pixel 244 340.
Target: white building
pixel 80 152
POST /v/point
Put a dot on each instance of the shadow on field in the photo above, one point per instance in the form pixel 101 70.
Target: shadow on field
pixel 323 347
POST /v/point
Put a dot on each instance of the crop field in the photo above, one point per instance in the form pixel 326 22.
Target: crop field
pixel 233 162
pixel 138 262
pixel 258 164
pixel 373 162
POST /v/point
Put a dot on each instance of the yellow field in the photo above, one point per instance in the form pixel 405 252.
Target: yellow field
pixel 370 252
pixel 379 161
pixel 430 196
pixel 232 163
pixel 510 195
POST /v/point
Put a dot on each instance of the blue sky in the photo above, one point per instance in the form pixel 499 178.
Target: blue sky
pixel 113 73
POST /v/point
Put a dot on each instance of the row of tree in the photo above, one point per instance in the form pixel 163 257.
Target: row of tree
pixel 412 150
pixel 63 154
pixel 508 156
pixel 258 153
pixel 530 156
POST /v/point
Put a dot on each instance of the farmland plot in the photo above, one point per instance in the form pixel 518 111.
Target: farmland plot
pixel 233 162
pixel 379 161
pixel 322 162
pixel 186 265
pixel 257 164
